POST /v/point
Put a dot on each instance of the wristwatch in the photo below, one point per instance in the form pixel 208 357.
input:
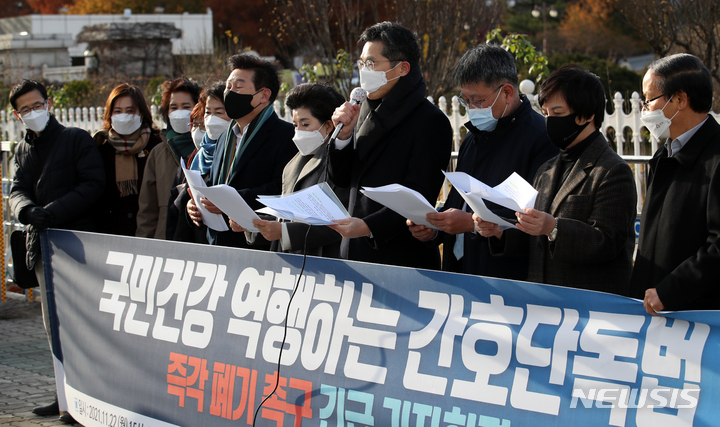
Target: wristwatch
pixel 553 233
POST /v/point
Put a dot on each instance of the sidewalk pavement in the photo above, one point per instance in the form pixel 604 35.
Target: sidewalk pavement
pixel 26 371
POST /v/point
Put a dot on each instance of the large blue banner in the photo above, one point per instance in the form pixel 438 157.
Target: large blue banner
pixel 156 333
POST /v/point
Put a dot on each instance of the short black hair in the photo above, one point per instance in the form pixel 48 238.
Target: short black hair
pixel 582 90
pixel 264 72
pixel 24 87
pixel 489 64
pixel 320 99
pixel 216 90
pixel 683 72
pixel 400 44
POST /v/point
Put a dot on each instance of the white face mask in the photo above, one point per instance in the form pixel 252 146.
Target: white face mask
pixel 180 121
pixel 373 80
pixel 482 118
pixel 657 124
pixel 308 142
pixel 215 126
pixel 197 136
pixel 36 120
pixel 126 124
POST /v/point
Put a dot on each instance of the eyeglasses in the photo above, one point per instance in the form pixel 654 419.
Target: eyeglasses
pixel 645 103
pixel 38 106
pixel 370 64
pixel 471 103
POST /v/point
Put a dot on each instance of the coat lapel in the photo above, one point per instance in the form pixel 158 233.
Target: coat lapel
pixel 546 185
pixel 300 168
pixel 255 144
pixel 311 166
pixel 578 174
pixel 694 147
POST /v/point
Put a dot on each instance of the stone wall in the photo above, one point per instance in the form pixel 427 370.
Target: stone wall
pixel 132 49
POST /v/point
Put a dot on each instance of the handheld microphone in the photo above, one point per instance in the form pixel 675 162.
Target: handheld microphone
pixel 357 96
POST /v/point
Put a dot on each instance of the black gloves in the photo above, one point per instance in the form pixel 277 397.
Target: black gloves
pixel 38 217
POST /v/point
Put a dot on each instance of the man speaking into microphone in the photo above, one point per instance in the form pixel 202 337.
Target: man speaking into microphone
pixel 395 137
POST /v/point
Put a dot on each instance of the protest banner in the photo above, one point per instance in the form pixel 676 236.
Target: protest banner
pixel 156 333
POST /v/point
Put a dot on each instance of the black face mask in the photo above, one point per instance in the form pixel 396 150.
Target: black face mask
pixel 562 131
pixel 238 105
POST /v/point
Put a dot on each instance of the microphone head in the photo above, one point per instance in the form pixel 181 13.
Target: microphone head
pixel 358 95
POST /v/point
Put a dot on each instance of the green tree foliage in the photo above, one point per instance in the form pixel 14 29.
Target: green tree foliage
pixel 531 64
pixel 79 93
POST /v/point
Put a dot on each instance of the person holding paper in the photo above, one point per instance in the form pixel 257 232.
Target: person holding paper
pixel 209 123
pixel 505 135
pixel 395 137
pixel 677 266
pixel 312 106
pixel 255 149
pixel 581 232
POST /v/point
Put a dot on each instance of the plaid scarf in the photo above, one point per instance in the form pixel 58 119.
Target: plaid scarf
pixel 126 166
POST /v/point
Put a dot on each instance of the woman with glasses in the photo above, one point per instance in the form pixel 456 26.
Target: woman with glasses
pixel 127 137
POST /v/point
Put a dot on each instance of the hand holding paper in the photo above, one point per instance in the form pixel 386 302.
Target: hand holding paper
pixel 197 187
pixel 227 199
pixel 514 193
pixel 316 205
pixel 405 201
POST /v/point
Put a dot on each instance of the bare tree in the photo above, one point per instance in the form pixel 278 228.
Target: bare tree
pixel 447 28
pixel 320 28
pixel 692 26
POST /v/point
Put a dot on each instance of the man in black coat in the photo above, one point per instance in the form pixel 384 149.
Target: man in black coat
pixel 395 137
pixel 256 147
pixel 58 178
pixel 677 266
pixel 505 135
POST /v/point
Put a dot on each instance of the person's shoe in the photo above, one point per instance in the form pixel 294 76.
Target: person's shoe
pixel 67 419
pixel 47 410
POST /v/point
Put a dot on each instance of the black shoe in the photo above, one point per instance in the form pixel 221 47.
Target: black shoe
pixel 47 410
pixel 67 419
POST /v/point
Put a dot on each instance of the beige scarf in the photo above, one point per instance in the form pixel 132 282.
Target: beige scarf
pixel 126 167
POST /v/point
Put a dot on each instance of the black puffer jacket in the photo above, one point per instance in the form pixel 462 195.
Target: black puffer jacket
pixel 60 170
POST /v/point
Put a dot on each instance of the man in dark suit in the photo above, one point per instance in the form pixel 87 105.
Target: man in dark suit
pixel 678 261
pixel 505 135
pixel 395 137
pixel 59 176
pixel 580 233
pixel 257 146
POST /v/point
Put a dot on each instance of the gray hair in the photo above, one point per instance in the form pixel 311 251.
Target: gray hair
pixel 489 64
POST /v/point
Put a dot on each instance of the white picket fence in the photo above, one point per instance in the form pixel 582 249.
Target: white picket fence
pixel 616 123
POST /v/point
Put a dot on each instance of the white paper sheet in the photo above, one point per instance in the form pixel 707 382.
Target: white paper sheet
pixel 465 184
pixel 316 205
pixel 197 186
pixel 228 200
pixel 514 193
pixel 405 201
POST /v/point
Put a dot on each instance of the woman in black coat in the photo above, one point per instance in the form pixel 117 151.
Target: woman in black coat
pixel 126 139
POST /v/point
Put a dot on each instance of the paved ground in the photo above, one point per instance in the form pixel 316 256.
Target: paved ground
pixel 26 372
